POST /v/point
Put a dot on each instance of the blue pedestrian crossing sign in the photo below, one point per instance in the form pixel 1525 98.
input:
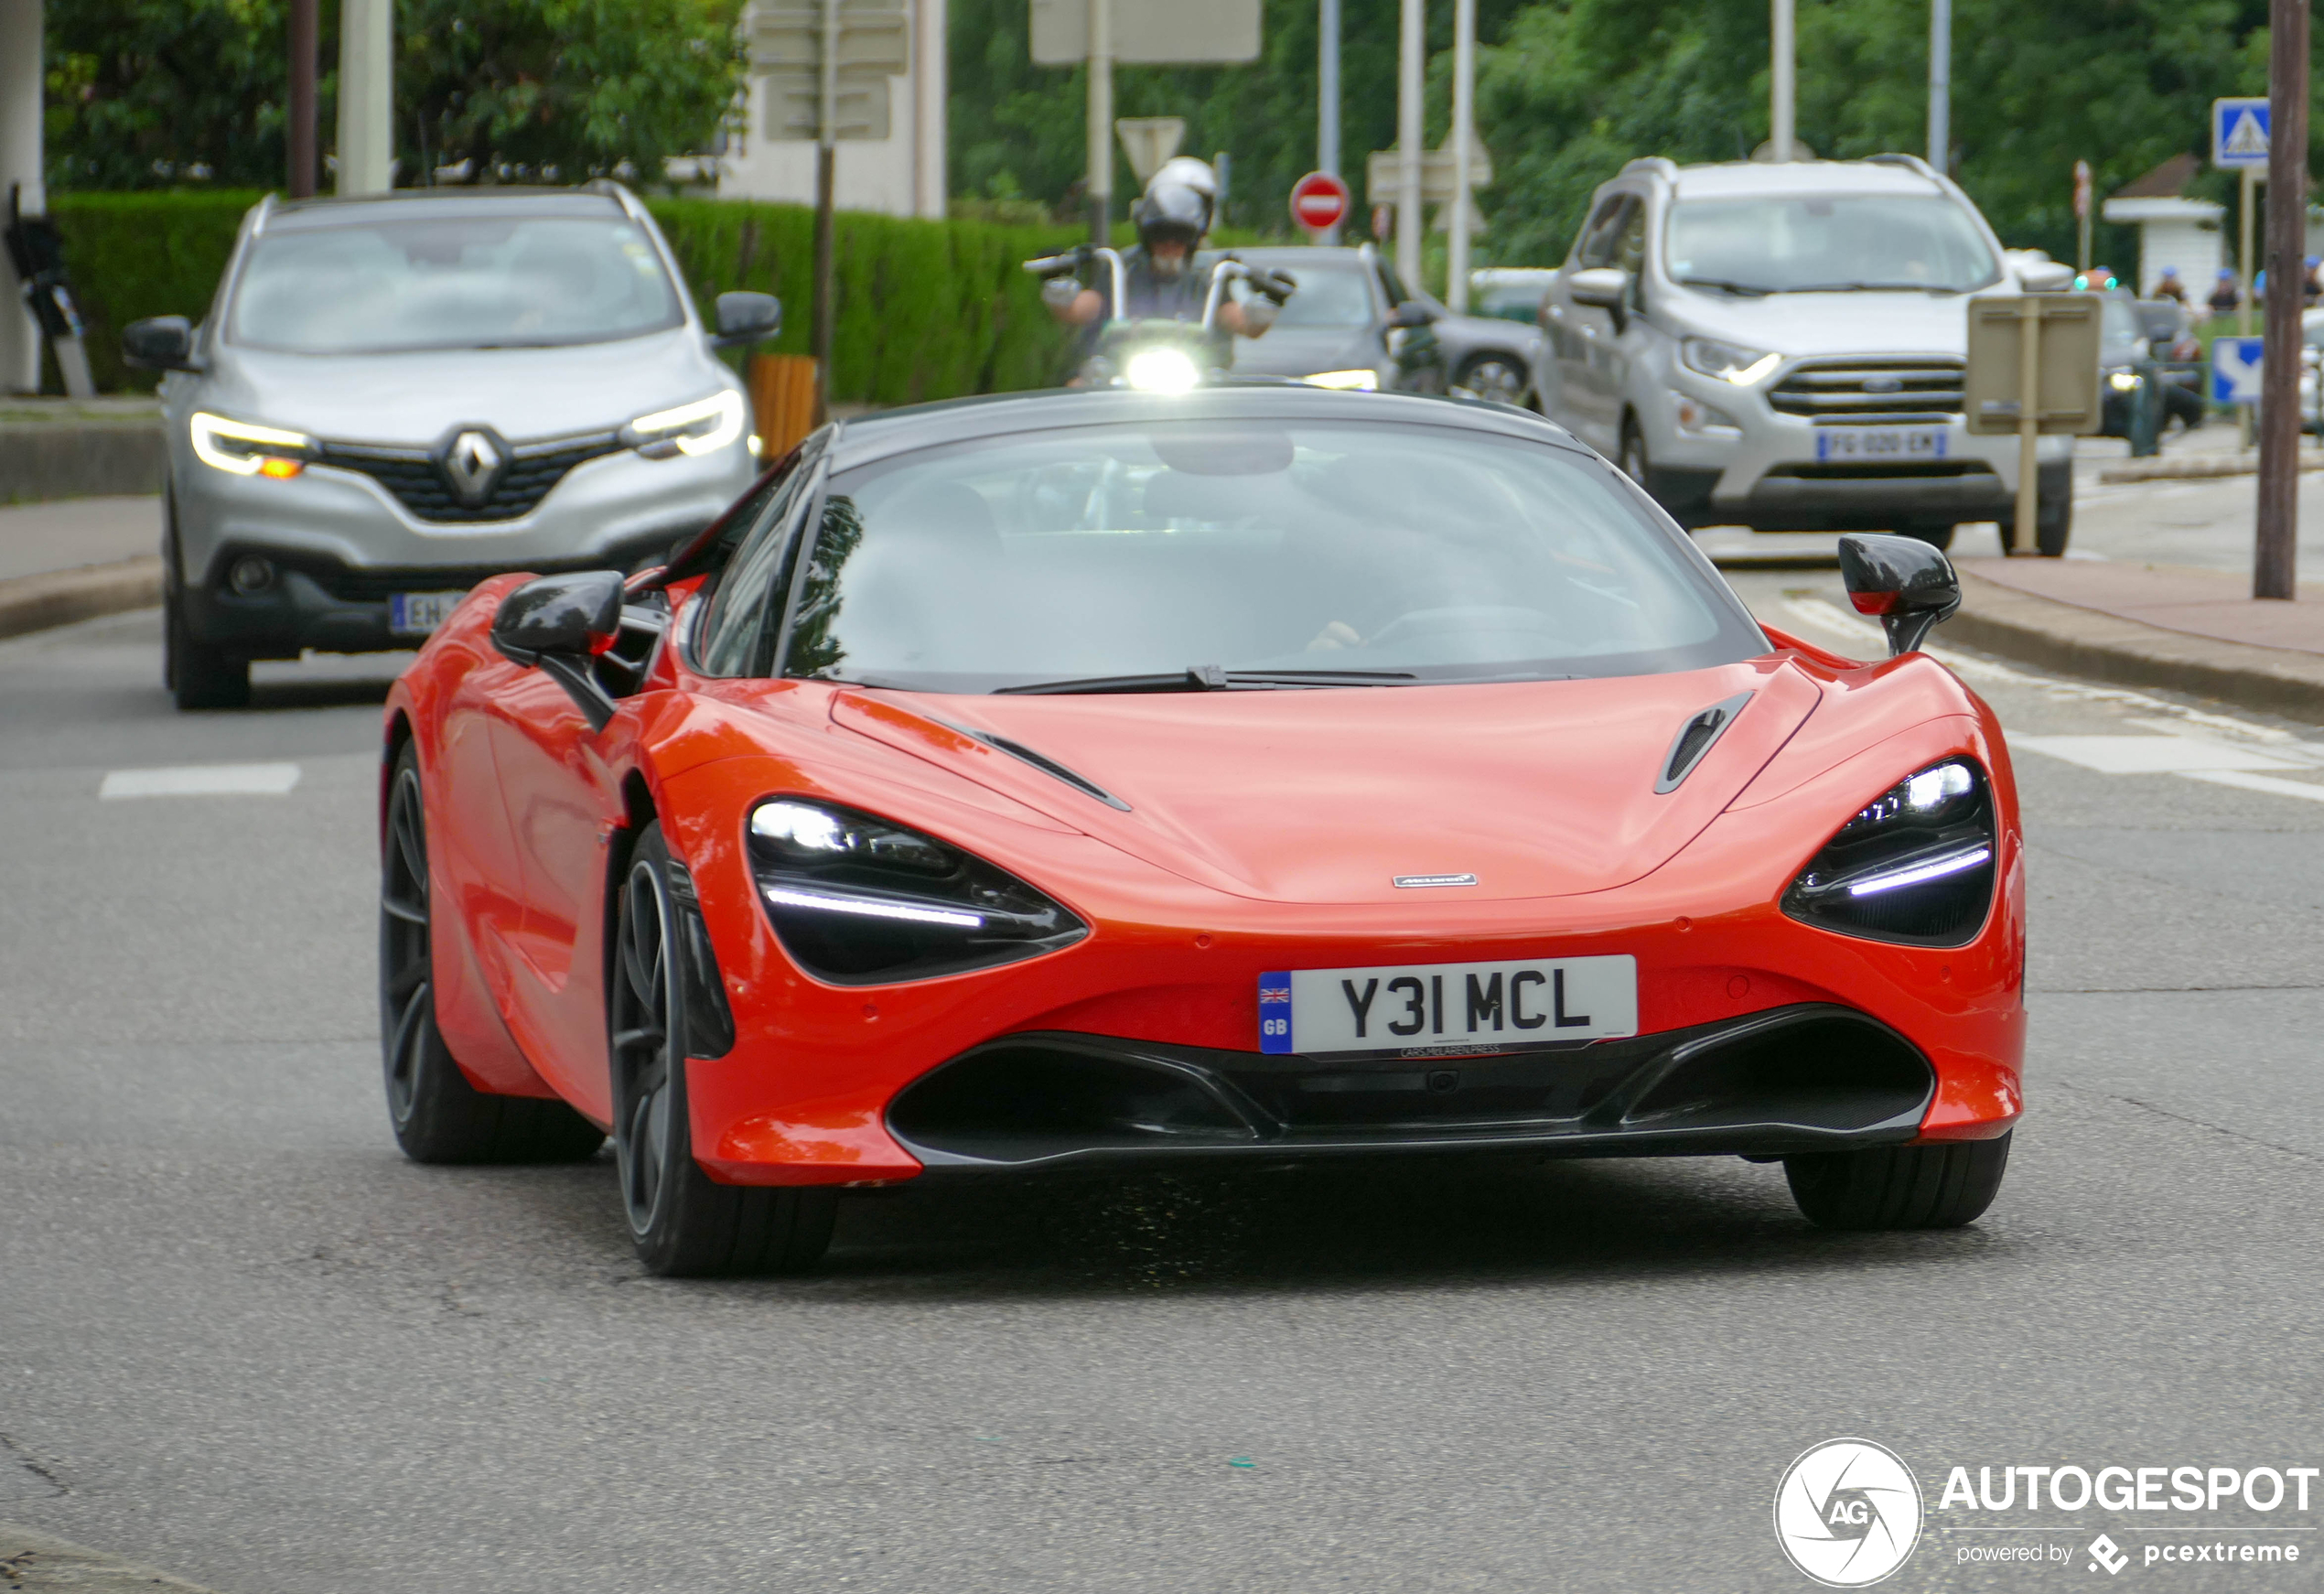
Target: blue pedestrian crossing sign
pixel 2235 367
pixel 2239 132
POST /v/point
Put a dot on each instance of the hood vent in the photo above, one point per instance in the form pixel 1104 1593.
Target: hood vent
pixel 1047 766
pixel 1695 739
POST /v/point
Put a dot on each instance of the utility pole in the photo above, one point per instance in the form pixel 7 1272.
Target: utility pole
pixel 2275 572
pixel 1328 97
pixel 1413 44
pixel 301 176
pixel 366 96
pixel 818 334
pixel 2244 242
pixel 1941 86
pixel 1780 135
pixel 1464 133
pixel 1100 183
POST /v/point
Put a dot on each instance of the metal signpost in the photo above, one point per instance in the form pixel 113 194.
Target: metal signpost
pixel 1098 33
pixel 2081 215
pixel 827 67
pixel 2033 370
pixel 2239 143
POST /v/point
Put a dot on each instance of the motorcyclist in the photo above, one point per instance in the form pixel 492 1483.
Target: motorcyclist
pixel 1163 278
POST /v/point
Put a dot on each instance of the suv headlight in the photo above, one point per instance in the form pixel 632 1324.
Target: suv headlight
pixel 1728 362
pixel 247 450
pixel 857 901
pixel 1916 866
pixel 702 427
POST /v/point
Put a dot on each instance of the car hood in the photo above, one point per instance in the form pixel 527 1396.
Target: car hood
pixel 1819 324
pixel 1305 351
pixel 415 398
pixel 1537 789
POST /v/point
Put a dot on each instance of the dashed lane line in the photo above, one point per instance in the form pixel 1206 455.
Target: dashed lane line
pixel 200 780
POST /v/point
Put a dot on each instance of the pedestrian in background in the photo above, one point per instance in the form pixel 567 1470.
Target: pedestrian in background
pixel 2171 287
pixel 2226 298
pixel 2312 288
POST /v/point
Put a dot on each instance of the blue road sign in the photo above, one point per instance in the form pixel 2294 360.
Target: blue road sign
pixel 2235 363
pixel 2239 132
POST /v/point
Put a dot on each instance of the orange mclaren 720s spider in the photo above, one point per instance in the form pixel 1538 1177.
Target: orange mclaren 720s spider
pixel 1256 775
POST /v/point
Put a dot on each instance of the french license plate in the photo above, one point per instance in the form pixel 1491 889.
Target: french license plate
pixel 416 614
pixel 1880 445
pixel 1448 1010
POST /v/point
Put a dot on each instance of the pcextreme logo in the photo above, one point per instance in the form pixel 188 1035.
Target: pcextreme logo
pixel 1848 1513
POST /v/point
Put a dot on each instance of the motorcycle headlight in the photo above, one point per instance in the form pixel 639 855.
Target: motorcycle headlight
pixel 1163 370
pixel 245 449
pixel 857 901
pixel 703 427
pixel 1916 866
pixel 1728 362
pixel 1365 380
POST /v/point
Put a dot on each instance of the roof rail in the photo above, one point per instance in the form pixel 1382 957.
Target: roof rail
pixel 1660 165
pixel 1909 162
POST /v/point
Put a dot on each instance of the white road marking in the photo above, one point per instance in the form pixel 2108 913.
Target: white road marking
pixel 201 780
pixel 2149 755
pixel 2309 790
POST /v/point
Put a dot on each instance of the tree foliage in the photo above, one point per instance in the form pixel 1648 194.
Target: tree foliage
pixel 153 92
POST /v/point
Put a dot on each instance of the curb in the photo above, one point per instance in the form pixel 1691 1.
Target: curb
pixel 2104 647
pixel 34 603
pixel 2200 468
pixel 33 1561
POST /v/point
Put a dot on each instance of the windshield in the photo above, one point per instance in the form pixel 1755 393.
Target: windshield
pixel 452 282
pixel 1511 301
pixel 1328 295
pixel 1835 242
pixel 1282 555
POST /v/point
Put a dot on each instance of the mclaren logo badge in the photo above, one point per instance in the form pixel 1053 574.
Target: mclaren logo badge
pixel 472 463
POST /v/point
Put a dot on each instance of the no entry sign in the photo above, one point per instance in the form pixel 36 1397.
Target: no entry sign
pixel 1318 202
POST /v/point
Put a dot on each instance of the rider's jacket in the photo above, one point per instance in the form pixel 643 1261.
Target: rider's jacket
pixel 1159 298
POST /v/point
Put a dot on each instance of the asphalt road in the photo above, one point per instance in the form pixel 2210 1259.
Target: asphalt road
pixel 241 1340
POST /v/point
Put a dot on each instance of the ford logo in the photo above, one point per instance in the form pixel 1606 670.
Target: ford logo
pixel 1883 385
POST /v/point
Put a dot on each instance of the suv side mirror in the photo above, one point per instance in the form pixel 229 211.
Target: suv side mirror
pixel 1601 288
pixel 745 317
pixel 2045 277
pixel 1908 585
pixel 1411 313
pixel 159 343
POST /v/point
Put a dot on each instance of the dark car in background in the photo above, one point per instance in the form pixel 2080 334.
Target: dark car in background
pixel 1354 324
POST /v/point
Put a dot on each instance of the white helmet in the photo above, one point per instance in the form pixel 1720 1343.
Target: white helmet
pixel 1187 170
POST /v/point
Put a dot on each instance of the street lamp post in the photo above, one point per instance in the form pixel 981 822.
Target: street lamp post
pixel 1779 83
pixel 1464 131
pixel 1940 85
pixel 1412 46
pixel 1328 97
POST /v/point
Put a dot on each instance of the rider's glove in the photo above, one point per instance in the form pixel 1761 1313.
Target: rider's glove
pixel 1258 315
pixel 1059 292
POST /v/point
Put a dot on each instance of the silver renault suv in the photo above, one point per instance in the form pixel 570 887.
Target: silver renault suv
pixel 1782 345
pixel 393 398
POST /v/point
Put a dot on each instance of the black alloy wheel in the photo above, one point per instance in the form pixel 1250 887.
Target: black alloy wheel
pixel 681 1223
pixel 1899 1187
pixel 1496 377
pixel 437 1115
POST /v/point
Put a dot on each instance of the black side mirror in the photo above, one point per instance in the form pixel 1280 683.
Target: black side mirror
pixel 1908 583
pixel 745 317
pixel 159 343
pixel 560 623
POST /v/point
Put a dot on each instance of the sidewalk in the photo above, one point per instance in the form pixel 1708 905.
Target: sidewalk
pixel 2150 624
pixel 77 558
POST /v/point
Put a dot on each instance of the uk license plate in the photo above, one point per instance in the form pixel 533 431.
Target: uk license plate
pixel 1880 445
pixel 1448 1010
pixel 416 614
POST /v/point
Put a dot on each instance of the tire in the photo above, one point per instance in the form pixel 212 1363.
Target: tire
pixel 682 1223
pixel 1898 1187
pixel 1498 377
pixel 2053 528
pixel 436 1115
pixel 198 675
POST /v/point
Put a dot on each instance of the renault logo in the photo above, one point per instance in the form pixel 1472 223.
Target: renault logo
pixel 472 462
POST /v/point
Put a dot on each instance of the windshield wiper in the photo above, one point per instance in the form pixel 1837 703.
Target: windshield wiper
pixel 1745 289
pixel 1208 678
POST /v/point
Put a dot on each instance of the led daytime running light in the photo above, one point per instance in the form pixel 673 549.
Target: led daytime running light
pixel 702 427
pixel 791 898
pixel 1935 870
pixel 208 432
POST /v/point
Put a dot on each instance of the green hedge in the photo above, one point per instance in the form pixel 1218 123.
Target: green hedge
pixel 927 309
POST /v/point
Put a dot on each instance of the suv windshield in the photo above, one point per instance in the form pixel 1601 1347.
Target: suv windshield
pixel 1836 243
pixel 1195 554
pixel 452 282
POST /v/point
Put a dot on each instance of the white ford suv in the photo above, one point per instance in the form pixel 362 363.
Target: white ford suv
pixel 1780 346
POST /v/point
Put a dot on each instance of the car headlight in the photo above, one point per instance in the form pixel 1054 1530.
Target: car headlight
pixel 857 901
pixel 702 427
pixel 247 450
pixel 1162 370
pixel 1916 866
pixel 1728 362
pixel 1347 380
